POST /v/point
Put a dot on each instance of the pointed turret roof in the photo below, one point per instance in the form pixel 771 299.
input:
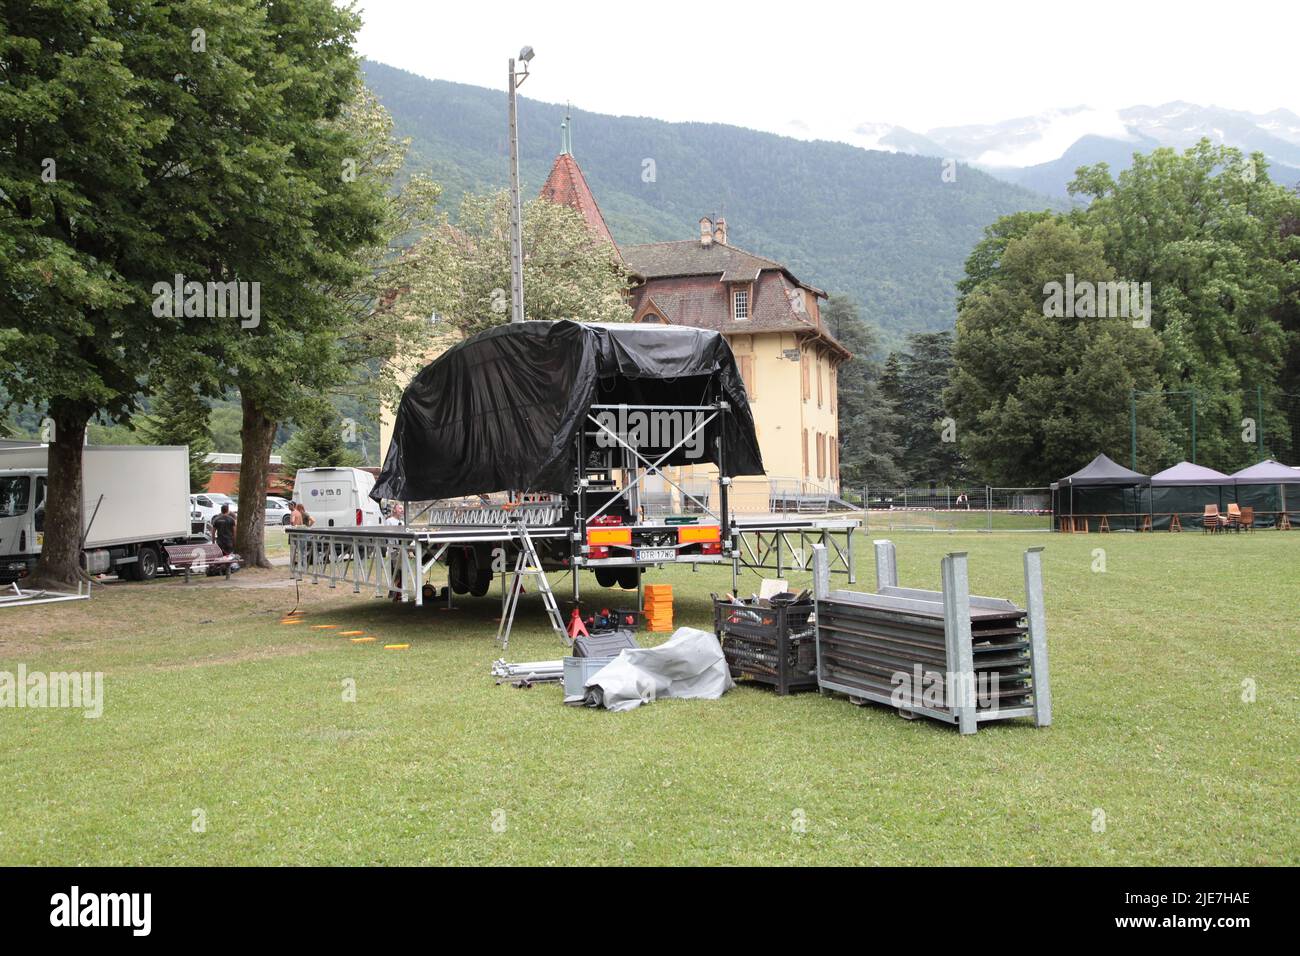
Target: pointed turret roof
pixel 568 187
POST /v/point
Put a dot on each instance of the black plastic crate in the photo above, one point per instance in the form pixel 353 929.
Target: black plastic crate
pixel 772 645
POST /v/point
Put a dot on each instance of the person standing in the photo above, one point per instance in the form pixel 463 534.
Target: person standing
pixel 300 517
pixel 223 529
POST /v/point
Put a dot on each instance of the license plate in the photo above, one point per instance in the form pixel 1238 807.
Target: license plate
pixel 656 554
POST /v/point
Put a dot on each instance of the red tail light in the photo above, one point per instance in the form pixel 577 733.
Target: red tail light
pixel 358 517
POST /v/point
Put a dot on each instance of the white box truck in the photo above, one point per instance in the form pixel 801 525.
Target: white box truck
pixel 136 500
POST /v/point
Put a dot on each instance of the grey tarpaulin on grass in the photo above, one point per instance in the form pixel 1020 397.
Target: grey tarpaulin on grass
pixel 690 664
pixel 501 411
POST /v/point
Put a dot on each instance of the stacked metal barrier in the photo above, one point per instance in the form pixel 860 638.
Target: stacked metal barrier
pixel 956 657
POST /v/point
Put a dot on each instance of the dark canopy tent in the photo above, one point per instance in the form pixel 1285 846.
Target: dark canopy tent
pixel 1185 489
pixel 1100 488
pixel 502 410
pixel 1269 488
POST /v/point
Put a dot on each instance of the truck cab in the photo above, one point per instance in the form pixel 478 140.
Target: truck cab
pixel 22 519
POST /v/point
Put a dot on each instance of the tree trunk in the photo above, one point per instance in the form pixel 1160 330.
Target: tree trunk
pixel 256 435
pixel 59 567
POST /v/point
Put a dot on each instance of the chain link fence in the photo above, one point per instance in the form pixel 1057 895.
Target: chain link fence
pixel 954 508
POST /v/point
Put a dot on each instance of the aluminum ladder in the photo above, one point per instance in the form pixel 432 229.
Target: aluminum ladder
pixel 529 564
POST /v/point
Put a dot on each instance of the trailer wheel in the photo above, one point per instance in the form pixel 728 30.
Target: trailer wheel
pixel 462 570
pixel 481 584
pixel 606 578
pixel 456 571
pixel 628 578
pixel 146 564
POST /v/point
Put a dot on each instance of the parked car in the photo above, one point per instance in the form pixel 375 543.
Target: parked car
pixel 207 505
pixel 277 510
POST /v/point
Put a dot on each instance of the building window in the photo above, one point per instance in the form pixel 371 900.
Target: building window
pixel 821 455
pixel 819 381
pixel 805 453
pixel 803 373
pixel 739 304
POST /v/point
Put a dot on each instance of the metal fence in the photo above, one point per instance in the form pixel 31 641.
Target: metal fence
pixel 954 508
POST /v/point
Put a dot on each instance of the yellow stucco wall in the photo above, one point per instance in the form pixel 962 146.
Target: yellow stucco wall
pixel 781 412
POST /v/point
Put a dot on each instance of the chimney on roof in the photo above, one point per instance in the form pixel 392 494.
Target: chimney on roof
pixel 720 231
pixel 706 231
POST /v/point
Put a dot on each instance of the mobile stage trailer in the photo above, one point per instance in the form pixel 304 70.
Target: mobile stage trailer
pixel 573 420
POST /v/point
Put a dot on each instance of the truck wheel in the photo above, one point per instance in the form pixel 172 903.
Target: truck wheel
pixel 628 578
pixel 605 578
pixel 481 584
pixel 457 571
pixel 285 520
pixel 146 564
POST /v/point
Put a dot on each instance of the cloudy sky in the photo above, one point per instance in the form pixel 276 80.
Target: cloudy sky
pixel 825 69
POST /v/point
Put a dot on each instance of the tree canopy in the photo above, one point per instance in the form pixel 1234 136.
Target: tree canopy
pixel 1200 240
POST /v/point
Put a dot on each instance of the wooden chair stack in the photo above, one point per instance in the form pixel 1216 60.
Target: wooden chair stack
pixel 659 607
pixel 1234 517
pixel 1210 521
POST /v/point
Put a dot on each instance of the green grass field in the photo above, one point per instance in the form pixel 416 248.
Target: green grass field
pixel 215 712
pixel 941 519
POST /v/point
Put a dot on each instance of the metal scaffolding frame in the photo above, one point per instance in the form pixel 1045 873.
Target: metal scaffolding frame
pixel 391 560
pixel 787 545
pixel 17 597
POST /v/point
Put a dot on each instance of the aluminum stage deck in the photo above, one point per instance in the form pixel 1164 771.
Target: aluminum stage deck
pixel 396 559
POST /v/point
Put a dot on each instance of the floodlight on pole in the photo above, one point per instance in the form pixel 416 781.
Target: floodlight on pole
pixel 516 206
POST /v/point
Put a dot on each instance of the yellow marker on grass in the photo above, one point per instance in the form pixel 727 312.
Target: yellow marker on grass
pixel 351 633
pixel 396 647
pixel 363 640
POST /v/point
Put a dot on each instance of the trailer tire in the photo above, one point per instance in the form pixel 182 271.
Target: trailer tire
pixel 481 584
pixel 606 578
pixel 146 564
pixel 462 570
pixel 456 571
pixel 629 578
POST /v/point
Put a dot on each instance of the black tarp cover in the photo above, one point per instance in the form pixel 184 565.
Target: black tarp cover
pixel 501 410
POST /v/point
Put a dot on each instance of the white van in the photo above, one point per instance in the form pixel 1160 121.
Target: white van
pixel 337 497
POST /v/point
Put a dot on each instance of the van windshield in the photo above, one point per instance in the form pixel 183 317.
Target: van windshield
pixel 14 493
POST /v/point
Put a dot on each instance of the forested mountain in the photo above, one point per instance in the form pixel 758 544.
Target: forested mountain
pixel 887 229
